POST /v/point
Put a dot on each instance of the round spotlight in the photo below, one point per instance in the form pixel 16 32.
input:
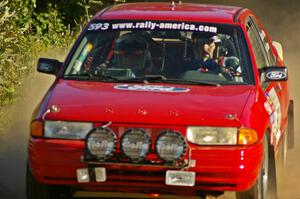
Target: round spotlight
pixel 101 143
pixel 170 146
pixel 135 144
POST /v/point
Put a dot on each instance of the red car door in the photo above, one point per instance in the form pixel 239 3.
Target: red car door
pixel 276 91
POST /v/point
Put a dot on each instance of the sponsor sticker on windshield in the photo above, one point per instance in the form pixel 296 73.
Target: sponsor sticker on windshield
pixel 151 88
pixel 151 25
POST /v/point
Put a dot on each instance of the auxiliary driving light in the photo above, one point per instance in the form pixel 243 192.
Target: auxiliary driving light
pixel 170 146
pixel 100 174
pixel 180 178
pixel 101 143
pixel 135 144
pixel 83 175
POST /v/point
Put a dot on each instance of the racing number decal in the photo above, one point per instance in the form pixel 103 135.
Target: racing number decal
pixel 97 26
pixel 273 109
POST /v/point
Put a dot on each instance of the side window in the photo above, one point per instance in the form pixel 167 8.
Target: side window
pixel 265 41
pixel 258 48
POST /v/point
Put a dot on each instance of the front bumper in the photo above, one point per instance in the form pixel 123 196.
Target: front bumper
pixel 222 168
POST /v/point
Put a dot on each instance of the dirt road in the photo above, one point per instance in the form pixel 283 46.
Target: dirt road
pixel 13 142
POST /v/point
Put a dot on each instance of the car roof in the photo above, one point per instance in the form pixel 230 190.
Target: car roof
pixel 171 12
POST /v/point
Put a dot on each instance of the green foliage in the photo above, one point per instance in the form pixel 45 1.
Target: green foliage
pixel 23 33
pixel 28 27
pixel 8 46
pixel 87 5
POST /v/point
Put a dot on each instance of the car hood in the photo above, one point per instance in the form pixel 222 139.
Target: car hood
pixel 147 103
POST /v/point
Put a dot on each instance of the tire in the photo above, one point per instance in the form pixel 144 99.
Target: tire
pixel 265 186
pixel 36 190
pixel 291 141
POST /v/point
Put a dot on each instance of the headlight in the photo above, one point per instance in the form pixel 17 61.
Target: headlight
pixel 212 135
pixel 170 146
pixel 135 144
pixel 67 130
pixel 101 143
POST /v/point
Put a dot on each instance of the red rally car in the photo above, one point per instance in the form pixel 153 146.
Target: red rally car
pixel 163 99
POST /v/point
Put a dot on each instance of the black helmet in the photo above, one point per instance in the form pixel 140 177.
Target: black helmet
pixel 205 37
pixel 132 51
pixel 130 42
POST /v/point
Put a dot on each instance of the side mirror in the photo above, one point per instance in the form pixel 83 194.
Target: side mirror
pixel 49 66
pixel 275 73
pixel 278 48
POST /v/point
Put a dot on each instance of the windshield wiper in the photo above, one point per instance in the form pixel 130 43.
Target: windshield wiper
pixel 142 79
pixel 155 77
pixel 192 82
pixel 147 78
pixel 161 78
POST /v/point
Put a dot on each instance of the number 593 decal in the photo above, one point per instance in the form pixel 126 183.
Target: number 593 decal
pixel 97 26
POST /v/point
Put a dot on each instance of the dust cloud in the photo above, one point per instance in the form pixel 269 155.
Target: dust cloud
pixel 281 19
pixel 13 140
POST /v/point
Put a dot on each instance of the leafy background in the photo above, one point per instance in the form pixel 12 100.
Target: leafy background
pixel 27 29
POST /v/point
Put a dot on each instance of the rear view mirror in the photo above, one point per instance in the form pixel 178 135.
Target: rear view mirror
pixel 275 73
pixel 49 66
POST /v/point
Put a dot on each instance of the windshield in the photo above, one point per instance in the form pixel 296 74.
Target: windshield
pixel 174 52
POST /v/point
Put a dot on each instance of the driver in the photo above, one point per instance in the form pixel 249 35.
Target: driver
pixel 130 58
pixel 132 51
pixel 205 56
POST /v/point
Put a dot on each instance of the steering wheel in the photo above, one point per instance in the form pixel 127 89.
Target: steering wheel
pixel 226 72
pixel 230 67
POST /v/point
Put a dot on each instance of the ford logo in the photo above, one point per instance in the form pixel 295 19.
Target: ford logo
pixel 152 88
pixel 276 75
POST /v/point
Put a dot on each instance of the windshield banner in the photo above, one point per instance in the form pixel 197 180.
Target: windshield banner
pixel 151 25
